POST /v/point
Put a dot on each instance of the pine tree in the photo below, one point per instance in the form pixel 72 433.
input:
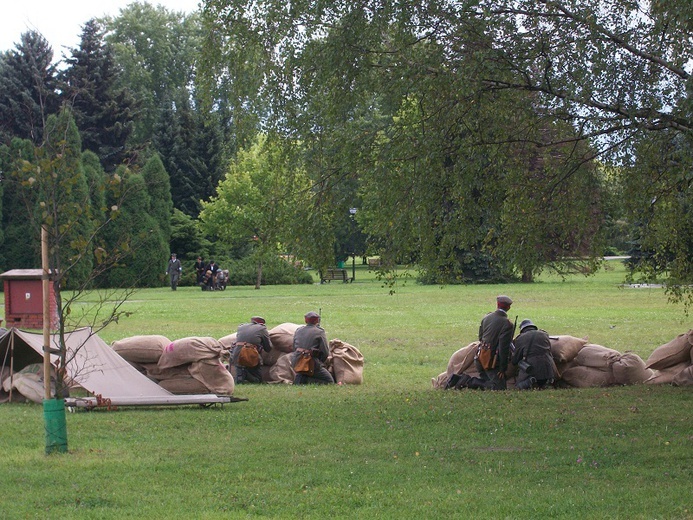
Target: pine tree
pixel 27 89
pixel 103 113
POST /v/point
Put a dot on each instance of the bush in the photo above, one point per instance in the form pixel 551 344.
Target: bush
pixel 275 271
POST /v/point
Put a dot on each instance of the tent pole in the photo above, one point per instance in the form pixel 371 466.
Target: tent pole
pixel 46 314
pixel 11 363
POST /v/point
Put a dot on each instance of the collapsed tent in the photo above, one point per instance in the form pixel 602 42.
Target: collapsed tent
pixel 94 366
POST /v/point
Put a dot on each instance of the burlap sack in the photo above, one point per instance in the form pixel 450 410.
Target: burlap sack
pixel 271 357
pixel 597 356
pixel 212 374
pixel 462 359
pixel 684 378
pixel 587 377
pixel 31 386
pixel 189 350
pixel 630 369
pixel 282 336
pixel 184 385
pixel 561 367
pixel 141 349
pixel 440 381
pixel 565 348
pixel 281 371
pixel 155 372
pixel 666 376
pixel 676 351
pixel 228 341
pixel 345 362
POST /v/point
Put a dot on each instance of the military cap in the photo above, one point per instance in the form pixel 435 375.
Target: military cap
pixel 506 300
pixel 312 317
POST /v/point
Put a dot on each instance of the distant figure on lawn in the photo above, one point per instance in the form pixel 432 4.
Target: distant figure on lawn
pixel 200 270
pixel 174 270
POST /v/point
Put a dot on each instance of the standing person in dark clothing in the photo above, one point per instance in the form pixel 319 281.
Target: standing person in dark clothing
pixel 493 354
pixel 533 357
pixel 174 270
pixel 254 336
pixel 311 339
pixel 200 270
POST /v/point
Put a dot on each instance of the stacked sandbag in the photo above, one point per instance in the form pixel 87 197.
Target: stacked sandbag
pixel 684 378
pixel 592 367
pixel 671 359
pixel 630 369
pixel 188 350
pixel 282 336
pixel 586 377
pixel 345 362
pixel 193 366
pixel 282 341
pixel 29 383
pixel 462 360
pixel 229 341
pixel 139 350
pixel 565 348
pixel 282 371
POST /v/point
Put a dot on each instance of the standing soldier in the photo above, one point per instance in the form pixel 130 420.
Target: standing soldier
pixel 173 270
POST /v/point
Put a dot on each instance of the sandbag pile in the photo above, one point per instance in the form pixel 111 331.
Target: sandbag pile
pixel 672 363
pixel 27 384
pixel 345 361
pixel 581 364
pixel 185 366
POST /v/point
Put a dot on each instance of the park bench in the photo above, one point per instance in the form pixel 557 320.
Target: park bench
pixel 335 274
pixel 373 262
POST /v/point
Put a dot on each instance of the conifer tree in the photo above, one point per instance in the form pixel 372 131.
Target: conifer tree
pixel 27 88
pixel 104 113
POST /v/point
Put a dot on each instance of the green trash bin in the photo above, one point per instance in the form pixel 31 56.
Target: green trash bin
pixel 340 264
pixel 56 427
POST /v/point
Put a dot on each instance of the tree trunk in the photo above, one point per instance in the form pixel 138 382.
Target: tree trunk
pixel 259 275
pixel 527 276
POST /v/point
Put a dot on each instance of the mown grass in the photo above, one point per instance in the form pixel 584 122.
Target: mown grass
pixel 391 448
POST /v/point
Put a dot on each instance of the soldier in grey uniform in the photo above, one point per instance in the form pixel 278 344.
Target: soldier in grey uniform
pixel 533 346
pixel 311 337
pixel 256 335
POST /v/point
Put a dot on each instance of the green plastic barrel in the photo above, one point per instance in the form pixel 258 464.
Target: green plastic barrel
pixel 56 427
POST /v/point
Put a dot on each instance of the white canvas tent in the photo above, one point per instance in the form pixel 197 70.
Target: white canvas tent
pixel 93 365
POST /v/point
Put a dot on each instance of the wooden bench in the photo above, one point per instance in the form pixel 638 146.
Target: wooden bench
pixel 335 274
pixel 373 262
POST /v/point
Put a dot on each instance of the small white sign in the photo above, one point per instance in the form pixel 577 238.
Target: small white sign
pixel 27 296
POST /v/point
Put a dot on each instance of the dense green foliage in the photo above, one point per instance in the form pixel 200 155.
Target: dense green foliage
pixel 471 127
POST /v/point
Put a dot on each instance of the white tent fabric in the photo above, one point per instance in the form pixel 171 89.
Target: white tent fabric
pixel 91 364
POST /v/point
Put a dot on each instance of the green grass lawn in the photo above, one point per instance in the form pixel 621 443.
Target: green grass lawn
pixel 391 448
